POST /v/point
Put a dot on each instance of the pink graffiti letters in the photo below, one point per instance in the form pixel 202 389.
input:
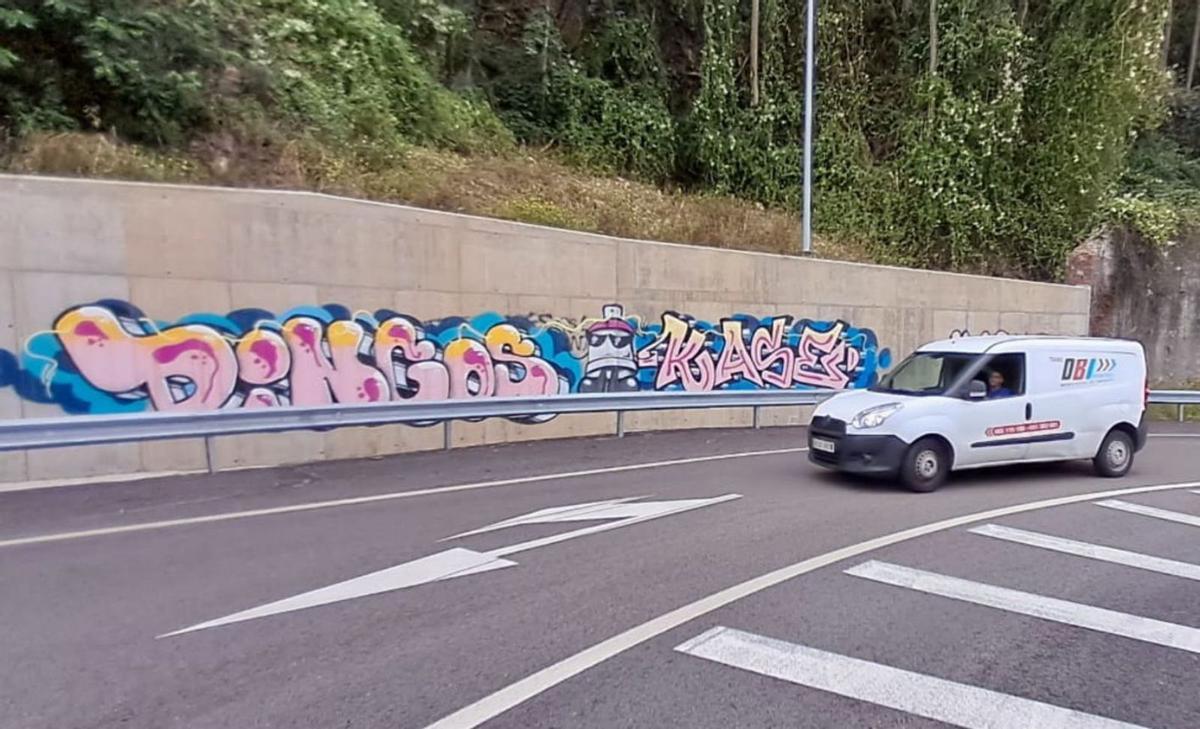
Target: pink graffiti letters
pixel 187 367
pixel 767 350
pixel 698 356
pixel 824 359
pixel 300 361
pixel 109 357
pixel 686 359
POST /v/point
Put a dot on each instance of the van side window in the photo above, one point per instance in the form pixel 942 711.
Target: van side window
pixel 1004 375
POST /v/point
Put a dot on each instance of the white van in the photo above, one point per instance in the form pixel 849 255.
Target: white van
pixel 988 401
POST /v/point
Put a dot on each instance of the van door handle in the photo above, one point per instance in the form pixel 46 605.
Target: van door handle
pixel 1028 411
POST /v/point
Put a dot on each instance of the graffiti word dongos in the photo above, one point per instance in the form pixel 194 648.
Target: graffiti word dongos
pixel 109 357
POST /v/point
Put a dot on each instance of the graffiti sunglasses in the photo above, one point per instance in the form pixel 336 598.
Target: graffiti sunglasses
pixel 617 340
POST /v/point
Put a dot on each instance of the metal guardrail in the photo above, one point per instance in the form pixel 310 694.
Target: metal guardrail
pixel 1179 398
pixel 1175 397
pixel 104 429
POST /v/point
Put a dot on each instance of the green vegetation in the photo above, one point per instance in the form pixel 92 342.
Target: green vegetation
pixel 977 135
pixel 165 73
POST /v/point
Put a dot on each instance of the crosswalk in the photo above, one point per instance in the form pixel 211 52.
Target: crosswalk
pixel 1175 516
pixel 959 704
pixel 933 698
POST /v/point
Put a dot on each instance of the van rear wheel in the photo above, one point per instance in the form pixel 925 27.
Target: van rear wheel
pixel 1115 457
pixel 926 465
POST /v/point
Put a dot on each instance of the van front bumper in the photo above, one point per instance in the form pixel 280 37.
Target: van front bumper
pixel 868 455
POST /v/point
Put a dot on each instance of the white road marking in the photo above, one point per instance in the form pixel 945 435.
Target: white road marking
pixel 57 483
pixel 457 562
pixel 934 698
pixel 440 566
pixel 577 512
pixel 1147 630
pixel 1175 516
pixel 1099 552
pixel 354 501
pixel 495 704
pixel 655 509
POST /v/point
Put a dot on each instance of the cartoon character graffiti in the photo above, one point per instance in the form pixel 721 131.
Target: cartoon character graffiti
pixel 109 357
pixel 611 362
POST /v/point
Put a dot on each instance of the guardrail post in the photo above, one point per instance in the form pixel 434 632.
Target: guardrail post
pixel 208 459
pixel 620 423
pixel 447 435
pixel 1181 407
pixel 756 423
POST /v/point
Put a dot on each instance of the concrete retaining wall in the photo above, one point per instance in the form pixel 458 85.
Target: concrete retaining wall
pixel 123 297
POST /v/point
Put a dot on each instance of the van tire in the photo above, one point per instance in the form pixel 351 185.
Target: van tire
pixel 926 465
pixel 1115 457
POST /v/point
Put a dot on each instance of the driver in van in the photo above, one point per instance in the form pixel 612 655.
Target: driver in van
pixel 996 386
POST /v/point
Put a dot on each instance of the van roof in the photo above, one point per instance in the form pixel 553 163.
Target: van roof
pixel 1023 342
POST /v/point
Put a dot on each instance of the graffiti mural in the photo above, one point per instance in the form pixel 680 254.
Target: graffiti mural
pixel 110 357
pixel 957 333
pixel 742 352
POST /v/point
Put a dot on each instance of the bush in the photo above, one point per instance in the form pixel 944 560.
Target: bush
pixel 164 73
pixel 1001 161
pixel 135 68
pixel 608 113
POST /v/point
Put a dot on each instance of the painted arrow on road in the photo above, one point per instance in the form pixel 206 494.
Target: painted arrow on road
pixel 459 562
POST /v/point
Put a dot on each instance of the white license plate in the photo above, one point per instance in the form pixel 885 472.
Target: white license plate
pixel 825 446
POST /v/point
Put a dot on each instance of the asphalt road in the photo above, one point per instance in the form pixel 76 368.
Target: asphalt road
pixel 697 591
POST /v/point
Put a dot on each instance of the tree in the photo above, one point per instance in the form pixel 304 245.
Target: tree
pixel 933 37
pixel 1191 72
pixel 754 21
pixel 1166 45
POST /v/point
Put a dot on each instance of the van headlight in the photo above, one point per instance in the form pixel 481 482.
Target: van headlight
pixel 874 417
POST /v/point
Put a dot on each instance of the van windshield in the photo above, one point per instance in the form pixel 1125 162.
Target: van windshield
pixel 926 373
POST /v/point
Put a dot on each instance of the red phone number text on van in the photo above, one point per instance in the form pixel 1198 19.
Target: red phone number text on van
pixel 1024 428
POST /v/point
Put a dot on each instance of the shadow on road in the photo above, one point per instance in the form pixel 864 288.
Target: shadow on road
pixel 978 478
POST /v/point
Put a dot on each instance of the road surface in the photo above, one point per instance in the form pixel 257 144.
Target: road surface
pixel 694 579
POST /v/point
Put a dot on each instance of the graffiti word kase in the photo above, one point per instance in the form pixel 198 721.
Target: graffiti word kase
pixel 109 357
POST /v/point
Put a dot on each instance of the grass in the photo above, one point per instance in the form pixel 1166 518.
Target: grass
pixel 1170 413
pixel 527 186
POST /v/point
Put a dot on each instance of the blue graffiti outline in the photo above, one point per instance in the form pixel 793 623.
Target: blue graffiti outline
pixel 44 355
pixel 873 360
pixel 44 372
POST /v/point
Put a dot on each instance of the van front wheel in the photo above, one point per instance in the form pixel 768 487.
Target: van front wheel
pixel 1116 455
pixel 926 465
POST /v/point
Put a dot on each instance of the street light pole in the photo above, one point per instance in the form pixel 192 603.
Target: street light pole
pixel 809 68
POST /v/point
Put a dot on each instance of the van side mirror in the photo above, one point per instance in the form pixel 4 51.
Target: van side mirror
pixel 977 391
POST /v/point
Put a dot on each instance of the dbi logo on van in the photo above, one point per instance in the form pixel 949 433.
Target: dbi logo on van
pixel 1088 369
